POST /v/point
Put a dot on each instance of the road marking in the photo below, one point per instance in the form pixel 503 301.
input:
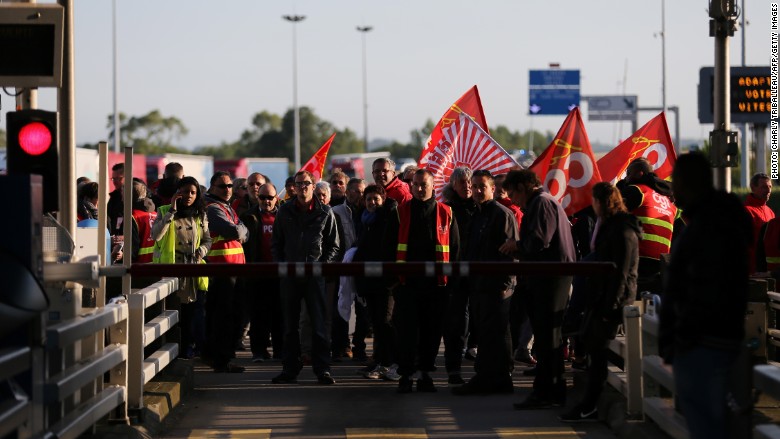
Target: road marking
pixel 231 434
pixel 537 433
pixel 386 433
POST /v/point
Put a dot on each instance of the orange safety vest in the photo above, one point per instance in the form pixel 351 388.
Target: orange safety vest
pixel 657 214
pixel 143 220
pixel 443 223
pixel 772 245
pixel 225 250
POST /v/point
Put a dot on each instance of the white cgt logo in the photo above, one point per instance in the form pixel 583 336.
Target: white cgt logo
pixel 559 175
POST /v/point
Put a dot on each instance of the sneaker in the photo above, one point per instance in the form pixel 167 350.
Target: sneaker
pixel 285 378
pixel 325 379
pixel 580 414
pixel 471 354
pixel 391 373
pixel 425 384
pixel 405 384
pixel 525 357
pixel 375 373
pixel 534 402
pixel 346 353
pixel 229 368
pixel 455 378
pixel 257 359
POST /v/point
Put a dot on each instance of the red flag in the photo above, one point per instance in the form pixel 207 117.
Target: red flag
pixel 567 167
pixel 316 164
pixel 652 142
pixel 469 103
pixel 465 143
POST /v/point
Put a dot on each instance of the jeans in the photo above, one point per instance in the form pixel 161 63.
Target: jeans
pixel 701 377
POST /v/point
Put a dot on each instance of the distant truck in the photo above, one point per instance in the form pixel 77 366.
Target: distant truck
pixel 199 166
pixel 356 164
pixel 277 169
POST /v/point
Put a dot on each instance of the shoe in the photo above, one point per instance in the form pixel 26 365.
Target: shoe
pixel 285 378
pixel 391 373
pixel 346 353
pixel 265 354
pixel 368 368
pixel 425 384
pixel 580 364
pixel 580 414
pixel 471 354
pixel 455 378
pixel 229 368
pixel 325 379
pixel 405 384
pixel 534 402
pixel 375 373
pixel 525 357
pixel 257 359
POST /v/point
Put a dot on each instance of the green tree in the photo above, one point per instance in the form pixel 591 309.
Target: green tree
pixel 151 133
pixel 3 137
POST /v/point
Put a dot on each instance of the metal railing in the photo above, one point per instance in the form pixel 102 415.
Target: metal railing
pixel 627 379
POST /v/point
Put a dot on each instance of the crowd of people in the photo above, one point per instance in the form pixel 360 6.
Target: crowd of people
pixel 491 320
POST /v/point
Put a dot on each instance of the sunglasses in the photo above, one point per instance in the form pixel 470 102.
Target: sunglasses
pixel 266 197
pixel 303 183
pixel 225 186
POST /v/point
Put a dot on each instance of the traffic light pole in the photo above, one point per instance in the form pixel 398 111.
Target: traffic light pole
pixel 722 26
pixel 66 107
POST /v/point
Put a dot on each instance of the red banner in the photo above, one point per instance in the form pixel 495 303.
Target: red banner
pixel 567 167
pixel 316 164
pixel 470 104
pixel 652 142
pixel 464 143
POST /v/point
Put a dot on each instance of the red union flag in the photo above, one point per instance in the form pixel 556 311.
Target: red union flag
pixel 567 167
pixel 464 143
pixel 652 142
pixel 469 103
pixel 316 164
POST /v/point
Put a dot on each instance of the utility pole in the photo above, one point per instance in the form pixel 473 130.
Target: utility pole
pixel 363 31
pixel 295 19
pixel 723 141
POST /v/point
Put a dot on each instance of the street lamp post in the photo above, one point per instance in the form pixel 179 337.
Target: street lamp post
pixel 294 19
pixel 363 31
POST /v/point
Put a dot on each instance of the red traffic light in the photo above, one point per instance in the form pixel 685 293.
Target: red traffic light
pixel 35 138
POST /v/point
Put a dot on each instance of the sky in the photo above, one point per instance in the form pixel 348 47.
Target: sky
pixel 216 64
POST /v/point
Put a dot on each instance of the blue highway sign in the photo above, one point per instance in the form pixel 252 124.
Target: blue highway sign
pixel 553 91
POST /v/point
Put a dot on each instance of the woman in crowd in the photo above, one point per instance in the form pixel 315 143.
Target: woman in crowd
pixel 617 241
pixel 181 234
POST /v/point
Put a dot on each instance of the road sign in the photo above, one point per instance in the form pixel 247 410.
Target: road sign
pixel 750 94
pixel 612 107
pixel 553 91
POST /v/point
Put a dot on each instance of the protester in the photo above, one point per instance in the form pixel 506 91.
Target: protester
pixel 491 226
pixel 181 236
pixel 760 213
pixel 545 236
pixel 377 243
pixel 702 323
pixel 458 195
pixel 304 220
pixel 617 241
pixel 262 294
pixel 383 171
pixel 427 232
pixel 223 309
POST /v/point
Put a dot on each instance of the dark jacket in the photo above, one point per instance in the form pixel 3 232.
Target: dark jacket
pixel 545 234
pixel 422 240
pixel 491 226
pixel 617 241
pixel 115 212
pixel 632 196
pixel 706 283
pixel 378 243
pixel 309 236
pixel 253 220
pixel 463 210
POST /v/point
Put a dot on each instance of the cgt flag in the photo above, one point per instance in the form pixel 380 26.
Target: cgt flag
pixel 469 103
pixel 652 142
pixel 316 164
pixel 567 167
pixel 465 143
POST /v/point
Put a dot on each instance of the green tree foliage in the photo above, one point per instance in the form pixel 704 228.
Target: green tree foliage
pixel 151 133
pixel 3 137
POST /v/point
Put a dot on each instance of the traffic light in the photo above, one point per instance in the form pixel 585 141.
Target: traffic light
pixel 32 149
pixel 724 149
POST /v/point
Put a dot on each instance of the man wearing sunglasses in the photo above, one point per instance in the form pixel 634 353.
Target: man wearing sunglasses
pixel 252 188
pixel 304 231
pixel 223 317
